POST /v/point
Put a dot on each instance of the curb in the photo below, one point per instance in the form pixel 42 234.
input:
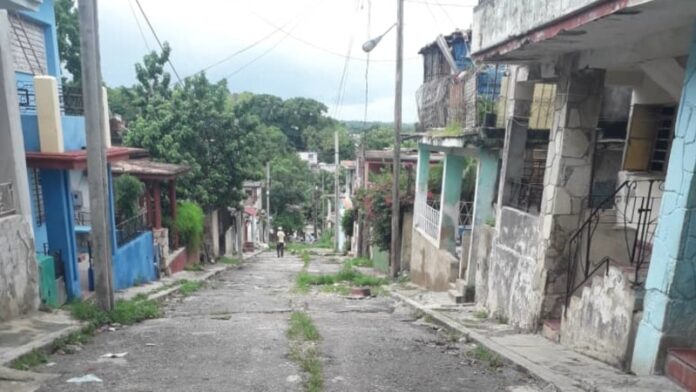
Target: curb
pixel 39 344
pixel 559 382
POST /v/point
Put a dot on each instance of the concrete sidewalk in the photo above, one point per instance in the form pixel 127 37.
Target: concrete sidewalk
pixel 40 329
pixel 566 369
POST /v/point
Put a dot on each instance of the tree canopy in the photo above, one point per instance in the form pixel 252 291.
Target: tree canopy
pixel 68 28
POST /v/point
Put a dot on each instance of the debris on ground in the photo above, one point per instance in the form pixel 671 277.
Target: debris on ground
pixel 85 379
pixel 114 355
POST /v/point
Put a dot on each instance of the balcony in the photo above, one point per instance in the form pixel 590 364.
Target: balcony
pixel 7 202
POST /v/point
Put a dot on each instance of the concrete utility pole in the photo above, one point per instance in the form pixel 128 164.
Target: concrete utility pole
pixel 268 202
pixel 396 205
pixel 336 190
pixel 96 151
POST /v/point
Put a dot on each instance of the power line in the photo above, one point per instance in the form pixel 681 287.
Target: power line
pixel 169 60
pixel 325 50
pixel 442 4
pixel 444 11
pixel 140 28
pixel 255 59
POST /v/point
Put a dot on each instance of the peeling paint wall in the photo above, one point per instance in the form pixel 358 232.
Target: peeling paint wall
pixel 431 267
pixel 599 321
pixel 515 282
pixel 19 288
pixel 497 20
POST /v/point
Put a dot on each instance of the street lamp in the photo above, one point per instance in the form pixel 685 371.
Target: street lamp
pixel 395 250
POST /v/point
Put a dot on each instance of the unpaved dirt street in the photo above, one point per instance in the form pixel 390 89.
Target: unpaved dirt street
pixel 231 336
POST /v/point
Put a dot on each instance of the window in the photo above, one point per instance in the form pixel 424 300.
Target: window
pixel 649 138
pixel 37 200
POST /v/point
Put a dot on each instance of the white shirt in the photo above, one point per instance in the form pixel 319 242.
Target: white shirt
pixel 281 237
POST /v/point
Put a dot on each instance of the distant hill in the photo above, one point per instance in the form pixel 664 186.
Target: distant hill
pixel 357 126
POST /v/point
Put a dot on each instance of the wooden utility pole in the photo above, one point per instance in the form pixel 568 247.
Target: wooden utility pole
pixel 336 190
pixel 96 152
pixel 396 205
pixel 268 202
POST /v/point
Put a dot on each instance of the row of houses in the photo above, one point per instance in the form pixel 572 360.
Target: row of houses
pixel 45 225
pixel 579 118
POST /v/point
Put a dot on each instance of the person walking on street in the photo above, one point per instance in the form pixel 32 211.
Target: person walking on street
pixel 280 243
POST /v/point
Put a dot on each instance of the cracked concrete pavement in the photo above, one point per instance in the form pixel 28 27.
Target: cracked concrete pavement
pixel 230 336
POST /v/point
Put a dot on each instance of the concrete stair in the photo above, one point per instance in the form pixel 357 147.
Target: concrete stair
pixel 680 367
pixel 455 295
pixel 460 293
pixel 551 330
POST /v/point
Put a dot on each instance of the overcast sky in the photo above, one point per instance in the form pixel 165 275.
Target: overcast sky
pixel 307 62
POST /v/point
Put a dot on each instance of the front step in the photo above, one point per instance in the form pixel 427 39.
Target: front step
pixel 680 367
pixel 456 296
pixel 552 330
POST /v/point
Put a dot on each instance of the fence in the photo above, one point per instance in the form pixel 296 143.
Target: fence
pixel 131 228
pixel 72 101
pixel 7 202
pixel 82 218
pixel 428 219
pixel 525 196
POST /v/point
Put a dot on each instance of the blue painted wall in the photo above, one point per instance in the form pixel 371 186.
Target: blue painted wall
pixel 134 262
pixel 669 315
pixel 60 225
pixel 74 137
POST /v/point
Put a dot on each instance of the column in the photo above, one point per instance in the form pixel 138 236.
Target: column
pixel 12 162
pixel 669 315
pixel 157 205
pixel 422 172
pixel 172 210
pixel 568 174
pixel 449 202
pixel 486 176
pixel 520 96
pixel 60 225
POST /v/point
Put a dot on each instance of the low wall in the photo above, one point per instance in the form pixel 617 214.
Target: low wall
pixel 481 252
pixel 515 279
pixel 177 260
pixel 19 288
pixel 600 322
pixel 134 263
pixel 431 267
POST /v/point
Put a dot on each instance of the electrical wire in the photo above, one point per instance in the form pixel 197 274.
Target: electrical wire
pixel 443 4
pixel 154 33
pixel 325 50
pixel 140 28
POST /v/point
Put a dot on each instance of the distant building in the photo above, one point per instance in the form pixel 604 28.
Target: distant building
pixel 310 157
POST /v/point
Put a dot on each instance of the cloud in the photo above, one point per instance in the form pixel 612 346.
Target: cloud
pixel 203 34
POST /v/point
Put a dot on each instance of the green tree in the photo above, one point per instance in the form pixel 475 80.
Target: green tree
pixel 128 191
pixel 68 29
pixel 292 184
pixel 194 124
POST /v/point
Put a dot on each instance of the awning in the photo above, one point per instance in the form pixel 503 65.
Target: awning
pixel 72 160
pixel 146 169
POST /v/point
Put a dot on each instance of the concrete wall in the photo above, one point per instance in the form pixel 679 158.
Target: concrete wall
pixel 133 263
pixel 431 267
pixel 497 20
pixel 481 254
pixel 19 288
pixel 406 240
pixel 599 322
pixel 515 280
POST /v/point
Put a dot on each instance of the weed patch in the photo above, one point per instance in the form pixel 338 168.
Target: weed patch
pixel 193 267
pixel 346 275
pixel 481 314
pixel 482 354
pixel 360 262
pixel 188 287
pixel 125 312
pixel 30 360
pixel 229 260
pixel 303 336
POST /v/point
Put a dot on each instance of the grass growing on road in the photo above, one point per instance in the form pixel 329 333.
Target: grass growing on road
pixel 125 312
pixel 229 260
pixel 303 336
pixel 30 360
pixel 484 355
pixel 360 262
pixel 348 274
pixel 189 287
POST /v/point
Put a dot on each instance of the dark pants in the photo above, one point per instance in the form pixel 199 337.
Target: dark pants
pixel 280 248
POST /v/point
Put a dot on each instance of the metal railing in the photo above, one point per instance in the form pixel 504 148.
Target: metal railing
pixel 82 218
pixel 466 213
pixel 7 201
pixel 130 229
pixel 526 196
pixel 73 103
pixel 636 215
pixel 428 219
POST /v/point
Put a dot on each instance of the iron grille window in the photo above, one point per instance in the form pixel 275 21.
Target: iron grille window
pixel 37 197
pixel 663 139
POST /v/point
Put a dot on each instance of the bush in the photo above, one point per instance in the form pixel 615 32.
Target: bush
pixel 128 191
pixel 189 224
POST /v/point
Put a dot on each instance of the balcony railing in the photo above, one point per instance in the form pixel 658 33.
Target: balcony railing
pixel 130 229
pixel 428 219
pixel 82 218
pixel 72 101
pixel 7 202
